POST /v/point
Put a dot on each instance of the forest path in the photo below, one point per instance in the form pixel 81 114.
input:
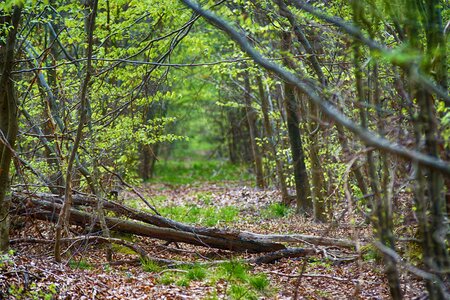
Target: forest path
pixel 87 275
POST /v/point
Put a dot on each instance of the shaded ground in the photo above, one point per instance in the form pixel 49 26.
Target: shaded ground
pixel 30 273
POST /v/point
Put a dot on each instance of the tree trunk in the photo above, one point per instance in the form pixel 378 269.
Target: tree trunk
pixel 317 177
pixel 64 214
pixel 148 159
pixel 302 187
pixel 430 197
pixel 49 203
pixel 251 119
pixel 382 209
pixel 8 119
pixel 438 67
pixel 271 141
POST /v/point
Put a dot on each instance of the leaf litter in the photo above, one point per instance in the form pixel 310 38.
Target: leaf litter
pixel 30 272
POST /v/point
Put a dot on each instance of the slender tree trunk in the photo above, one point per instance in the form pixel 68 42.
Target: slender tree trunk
pixel 437 55
pixel 271 141
pixel 251 119
pixel 63 219
pixel 317 177
pixel 147 161
pixel 53 157
pixel 302 187
pixel 382 209
pixel 430 197
pixel 317 172
pixel 8 119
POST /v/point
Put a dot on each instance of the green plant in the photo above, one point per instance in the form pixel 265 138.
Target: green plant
pixel 183 282
pixel 207 216
pixel 181 172
pixel 167 278
pixel 276 210
pixel 150 266
pixel 370 253
pixel 321 263
pixel 238 291
pixel 235 270
pixel 196 273
pixel 33 292
pixel 205 197
pixel 414 252
pixel 122 249
pixel 243 285
pixel 211 296
pixel 6 258
pixel 260 282
pixel 80 264
pixel 107 268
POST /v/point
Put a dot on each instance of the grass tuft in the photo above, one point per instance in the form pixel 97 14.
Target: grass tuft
pixel 196 273
pixel 206 216
pixel 150 266
pixel 259 282
pixel 80 264
pixel 235 270
pixel 276 210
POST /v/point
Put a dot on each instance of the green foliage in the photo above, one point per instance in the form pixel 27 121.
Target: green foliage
pixel 122 249
pixel 323 294
pixel 238 291
pixel 321 263
pixel 183 276
pixel 211 296
pixel 414 252
pixel 6 258
pixel 196 273
pixel 183 282
pixel 177 172
pixel 259 282
pixel 149 265
pixel 167 278
pixel 80 264
pixel 234 270
pixel 33 292
pixel 208 216
pixel 371 253
pixel 242 284
pixel 205 197
pixel 106 268
pixel 276 210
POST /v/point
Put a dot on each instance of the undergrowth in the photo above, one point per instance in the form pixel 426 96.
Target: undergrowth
pixel 240 283
pixel 79 264
pixel 191 172
pixel 206 216
pixel 276 210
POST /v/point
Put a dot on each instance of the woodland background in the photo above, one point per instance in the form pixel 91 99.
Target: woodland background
pixel 341 107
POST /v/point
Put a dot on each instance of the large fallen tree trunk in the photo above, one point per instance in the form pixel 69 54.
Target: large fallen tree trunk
pixel 48 211
pixel 45 206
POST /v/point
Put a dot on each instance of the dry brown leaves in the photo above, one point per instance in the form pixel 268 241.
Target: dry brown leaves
pixel 33 269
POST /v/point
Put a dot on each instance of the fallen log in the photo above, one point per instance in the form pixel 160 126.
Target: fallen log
pixel 86 238
pixel 263 259
pixel 48 211
pixel 160 221
pixel 298 238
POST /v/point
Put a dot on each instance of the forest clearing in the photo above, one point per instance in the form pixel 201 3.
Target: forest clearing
pixel 231 149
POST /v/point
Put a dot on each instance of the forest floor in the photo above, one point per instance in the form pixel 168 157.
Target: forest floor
pixel 31 273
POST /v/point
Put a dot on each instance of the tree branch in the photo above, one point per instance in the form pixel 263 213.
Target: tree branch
pixel 368 137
